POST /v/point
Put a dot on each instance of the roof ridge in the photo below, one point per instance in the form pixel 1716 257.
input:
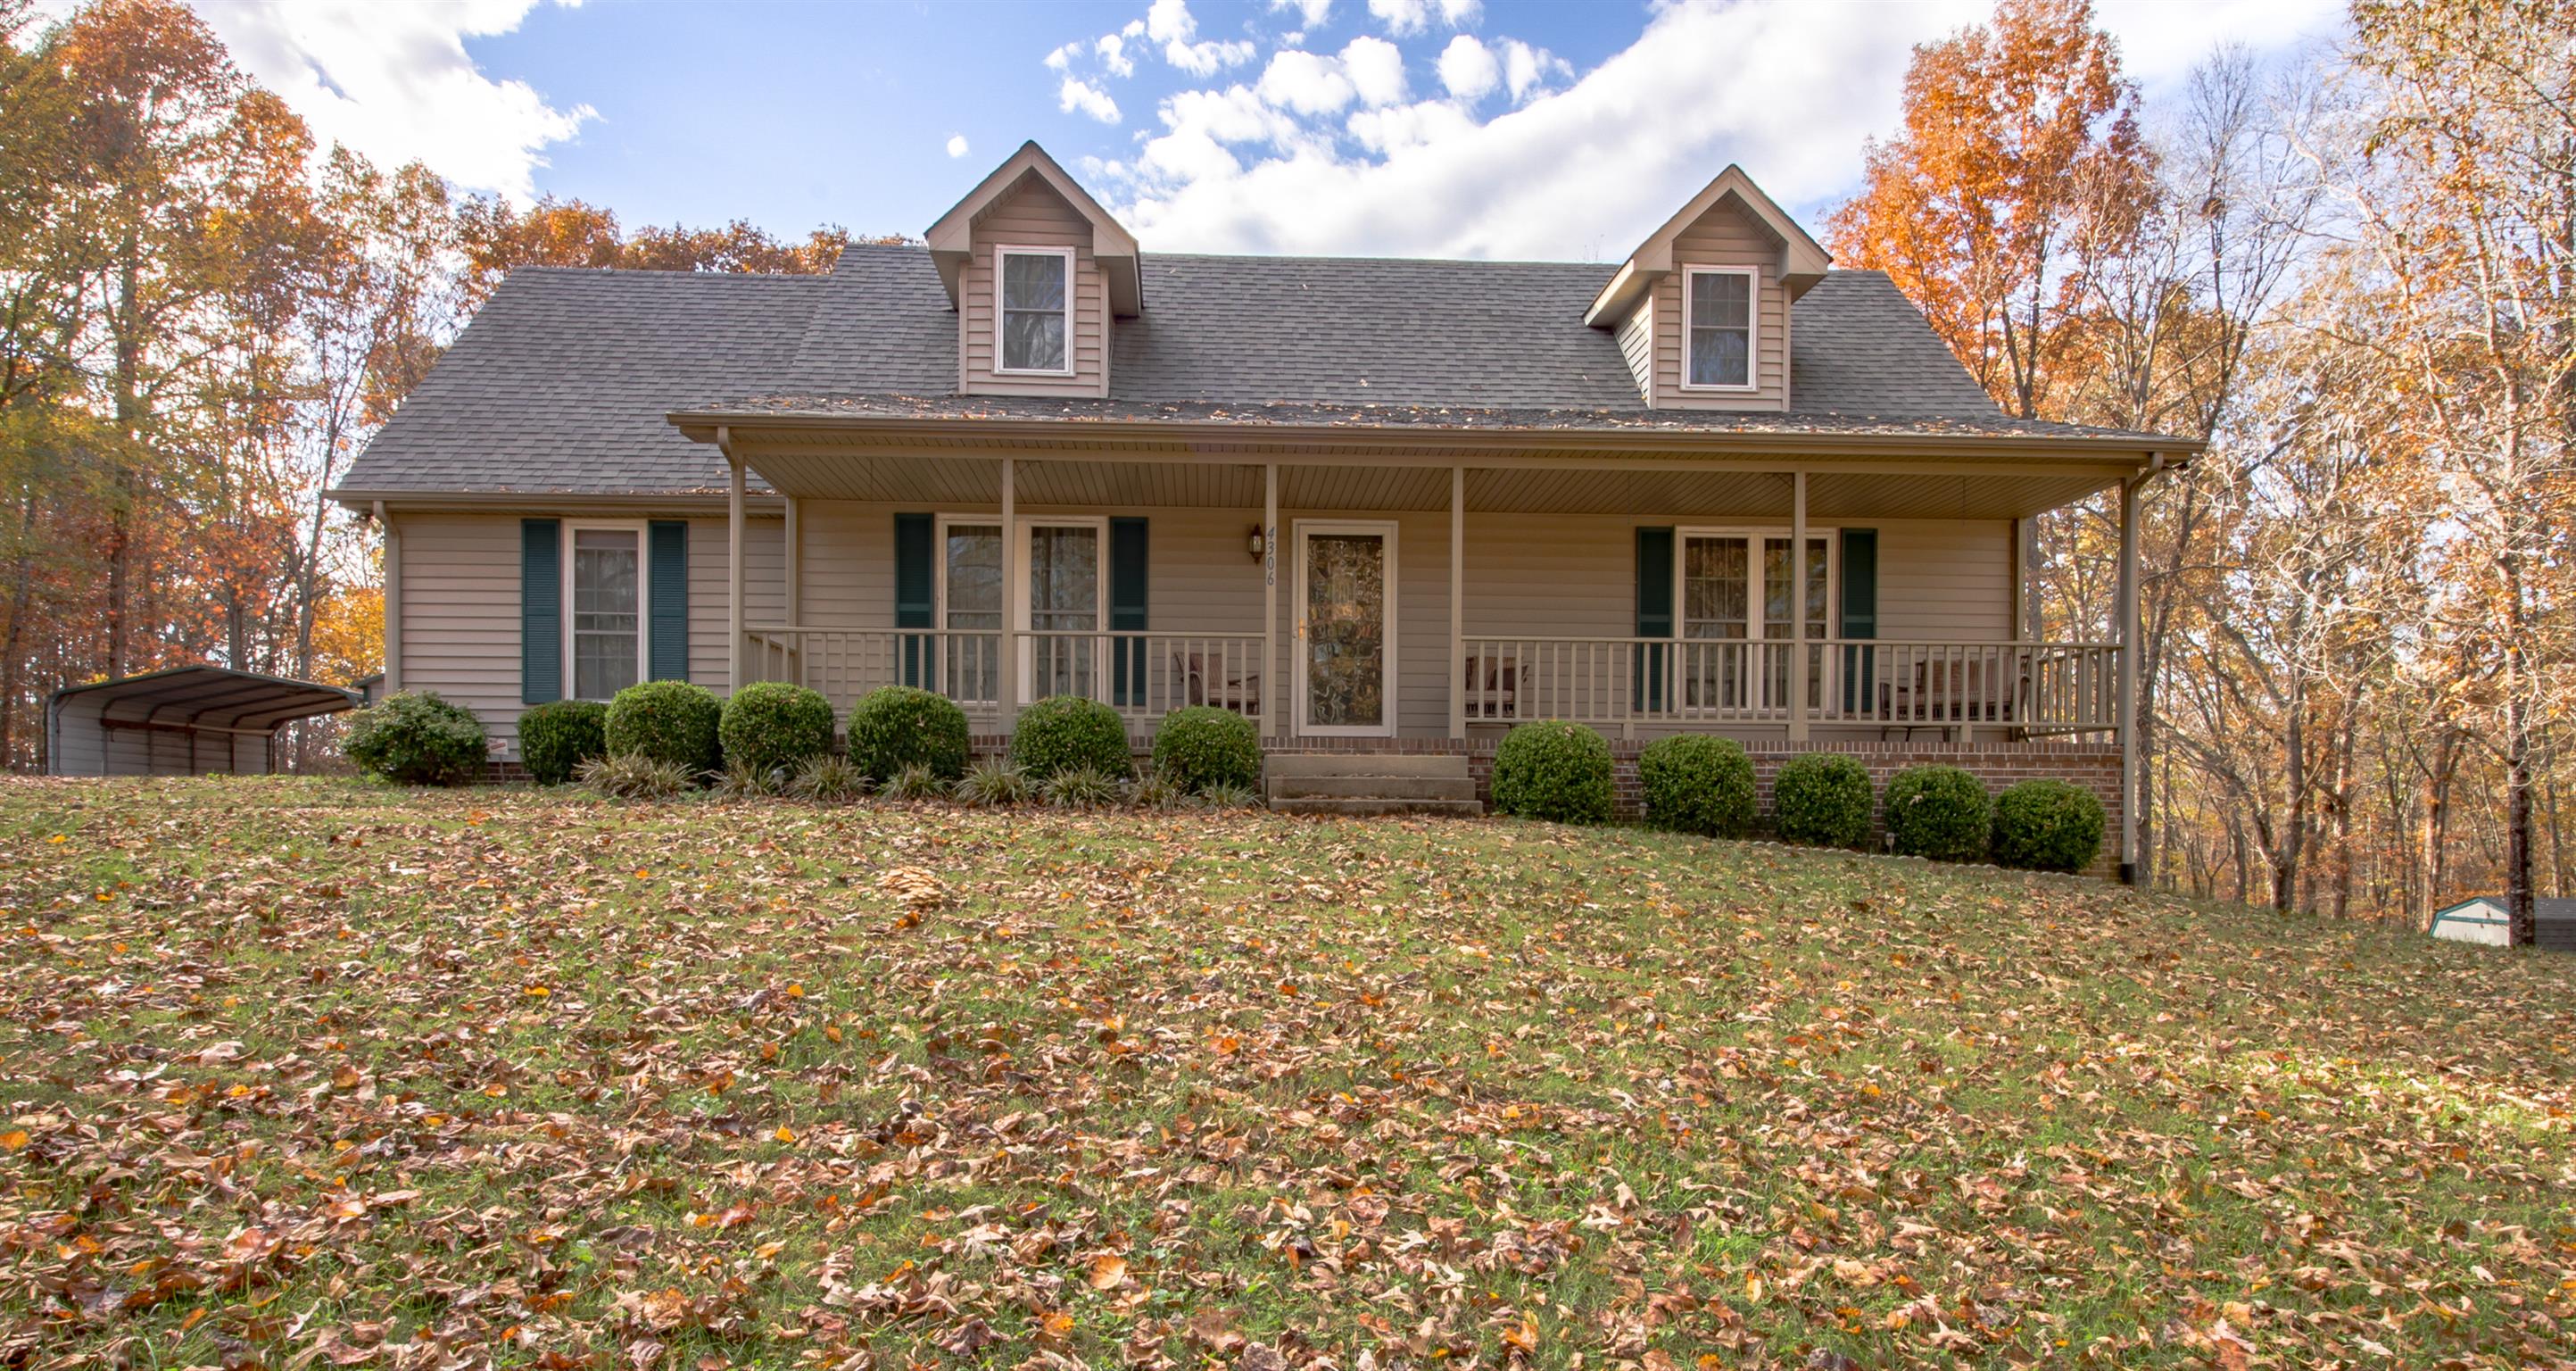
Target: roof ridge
pixel 689 273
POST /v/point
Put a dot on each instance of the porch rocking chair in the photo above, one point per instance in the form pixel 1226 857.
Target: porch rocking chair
pixel 1207 678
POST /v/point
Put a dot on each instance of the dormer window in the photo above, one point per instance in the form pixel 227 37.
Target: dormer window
pixel 1717 326
pixel 1036 310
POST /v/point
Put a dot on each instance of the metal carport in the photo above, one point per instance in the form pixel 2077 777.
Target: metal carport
pixel 181 721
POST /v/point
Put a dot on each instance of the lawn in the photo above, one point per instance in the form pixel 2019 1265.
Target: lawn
pixel 311 1074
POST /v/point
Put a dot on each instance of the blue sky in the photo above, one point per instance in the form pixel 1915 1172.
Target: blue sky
pixel 1443 127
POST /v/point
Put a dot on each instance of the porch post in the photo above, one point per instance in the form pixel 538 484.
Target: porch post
pixel 733 572
pixel 2127 609
pixel 1797 606
pixel 393 600
pixel 1007 656
pixel 2027 622
pixel 795 553
pixel 1272 700
pixel 1457 602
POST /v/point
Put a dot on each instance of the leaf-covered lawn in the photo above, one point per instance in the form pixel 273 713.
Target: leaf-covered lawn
pixel 313 1074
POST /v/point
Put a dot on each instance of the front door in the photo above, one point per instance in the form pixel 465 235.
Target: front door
pixel 1346 628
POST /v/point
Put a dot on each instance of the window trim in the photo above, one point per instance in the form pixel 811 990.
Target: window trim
pixel 1002 252
pixel 1752 331
pixel 1754 619
pixel 643 532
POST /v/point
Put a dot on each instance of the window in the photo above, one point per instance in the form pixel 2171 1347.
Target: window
pixel 1717 326
pixel 1059 607
pixel 971 570
pixel 606 626
pixel 1036 312
pixel 1736 591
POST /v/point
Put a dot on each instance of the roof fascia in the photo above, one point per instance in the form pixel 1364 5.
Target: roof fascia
pixel 1803 261
pixel 951 240
pixel 547 502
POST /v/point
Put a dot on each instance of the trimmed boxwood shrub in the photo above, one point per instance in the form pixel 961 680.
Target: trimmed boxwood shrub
pixel 416 738
pixel 1821 799
pixel 775 726
pixel 1554 770
pixel 2048 826
pixel 1939 812
pixel 666 721
pixel 1204 746
pixel 894 727
pixel 1697 784
pixel 1066 733
pixel 555 739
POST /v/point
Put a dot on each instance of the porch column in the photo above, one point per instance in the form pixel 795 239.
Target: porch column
pixel 1272 700
pixel 795 553
pixel 393 600
pixel 1797 606
pixel 2127 612
pixel 1007 656
pixel 733 572
pixel 1457 602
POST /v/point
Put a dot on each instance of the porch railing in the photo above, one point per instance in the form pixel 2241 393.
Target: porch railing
pixel 2025 687
pixel 1142 675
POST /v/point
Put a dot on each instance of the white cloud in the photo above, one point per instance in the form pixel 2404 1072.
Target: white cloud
pixel 957 145
pixel 1078 94
pixel 1468 69
pixel 1113 55
pixel 395 83
pixel 1314 12
pixel 1169 23
pixel 1305 83
pixel 1526 68
pixel 1063 56
pixel 1404 18
pixel 1376 69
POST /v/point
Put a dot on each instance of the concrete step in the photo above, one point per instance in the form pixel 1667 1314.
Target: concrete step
pixel 1351 805
pixel 1435 764
pixel 1371 788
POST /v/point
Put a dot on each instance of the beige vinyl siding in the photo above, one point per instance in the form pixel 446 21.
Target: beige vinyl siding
pixel 1946 580
pixel 460 605
pixel 1032 216
pixel 1724 237
pixel 1636 336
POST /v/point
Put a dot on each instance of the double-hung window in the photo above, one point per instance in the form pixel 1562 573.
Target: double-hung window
pixel 1717 327
pixel 604 584
pixel 1036 310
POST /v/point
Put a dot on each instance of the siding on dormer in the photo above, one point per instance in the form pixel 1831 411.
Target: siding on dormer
pixel 1637 344
pixel 1032 215
pixel 1724 237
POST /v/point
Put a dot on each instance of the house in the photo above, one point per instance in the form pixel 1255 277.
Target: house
pixel 2482 919
pixel 1381 506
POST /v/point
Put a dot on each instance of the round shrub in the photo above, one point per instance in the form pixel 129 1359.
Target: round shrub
pixel 555 739
pixel 1697 784
pixel 1204 746
pixel 1939 812
pixel 1554 770
pixel 2047 826
pixel 416 738
pixel 775 726
pixel 666 721
pixel 1066 733
pixel 1821 799
pixel 894 727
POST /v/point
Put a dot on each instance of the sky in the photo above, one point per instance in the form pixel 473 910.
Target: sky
pixel 1462 128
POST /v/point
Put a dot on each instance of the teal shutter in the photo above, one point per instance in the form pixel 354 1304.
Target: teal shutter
pixel 667 563
pixel 916 582
pixel 541 639
pixel 1651 676
pixel 1128 563
pixel 1860 616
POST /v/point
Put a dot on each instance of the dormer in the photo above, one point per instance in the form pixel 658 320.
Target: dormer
pixel 1701 308
pixel 1035 269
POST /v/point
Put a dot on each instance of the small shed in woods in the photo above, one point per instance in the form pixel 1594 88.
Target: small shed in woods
pixel 2481 919
pixel 182 721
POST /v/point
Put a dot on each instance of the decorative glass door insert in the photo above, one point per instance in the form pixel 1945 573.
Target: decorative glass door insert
pixel 1345 620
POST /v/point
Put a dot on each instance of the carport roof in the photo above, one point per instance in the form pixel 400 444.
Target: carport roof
pixel 204 696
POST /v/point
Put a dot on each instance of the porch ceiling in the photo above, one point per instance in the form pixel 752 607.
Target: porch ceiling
pixel 1572 487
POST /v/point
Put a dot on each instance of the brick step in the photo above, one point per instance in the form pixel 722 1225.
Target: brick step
pixel 1371 788
pixel 1351 805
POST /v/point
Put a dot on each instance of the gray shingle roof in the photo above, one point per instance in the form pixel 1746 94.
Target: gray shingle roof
pixel 563 382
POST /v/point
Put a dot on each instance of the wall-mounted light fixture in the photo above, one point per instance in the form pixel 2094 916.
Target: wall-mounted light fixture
pixel 1254 544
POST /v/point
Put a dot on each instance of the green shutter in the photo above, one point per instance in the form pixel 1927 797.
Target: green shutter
pixel 541 639
pixel 1860 614
pixel 1128 567
pixel 1650 675
pixel 916 583
pixel 666 560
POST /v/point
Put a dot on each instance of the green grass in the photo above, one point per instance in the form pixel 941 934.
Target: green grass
pixel 303 1073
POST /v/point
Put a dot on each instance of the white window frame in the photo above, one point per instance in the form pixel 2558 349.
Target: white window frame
pixel 1752 330
pixel 1015 583
pixel 642 529
pixel 1001 365
pixel 1754 621
pixel 1301 530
